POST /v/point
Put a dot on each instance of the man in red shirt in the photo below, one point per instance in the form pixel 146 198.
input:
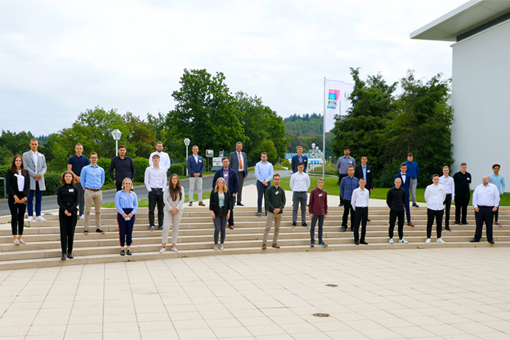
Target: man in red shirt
pixel 318 209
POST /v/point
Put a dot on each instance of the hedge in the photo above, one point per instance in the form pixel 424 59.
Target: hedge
pixel 178 169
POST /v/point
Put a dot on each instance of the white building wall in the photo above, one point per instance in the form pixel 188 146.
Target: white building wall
pixel 481 102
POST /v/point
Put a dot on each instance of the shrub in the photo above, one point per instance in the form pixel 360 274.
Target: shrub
pixel 3 173
pixel 105 164
pixel 178 169
pixel 140 165
pixel 52 181
pixel 286 164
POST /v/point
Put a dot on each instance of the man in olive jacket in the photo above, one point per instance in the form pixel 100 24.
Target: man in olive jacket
pixel 275 202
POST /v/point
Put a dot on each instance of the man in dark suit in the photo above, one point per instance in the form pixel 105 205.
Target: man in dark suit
pixel 195 165
pixel 239 163
pixel 406 180
pixel 299 158
pixel 365 171
pixel 232 183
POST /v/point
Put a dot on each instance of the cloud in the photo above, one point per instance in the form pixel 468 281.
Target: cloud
pixel 60 58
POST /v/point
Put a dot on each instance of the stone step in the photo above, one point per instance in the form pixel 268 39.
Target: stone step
pixel 143 256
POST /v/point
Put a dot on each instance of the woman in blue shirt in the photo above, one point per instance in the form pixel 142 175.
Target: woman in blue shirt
pixel 126 203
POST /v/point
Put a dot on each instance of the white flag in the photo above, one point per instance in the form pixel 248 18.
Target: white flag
pixel 337 101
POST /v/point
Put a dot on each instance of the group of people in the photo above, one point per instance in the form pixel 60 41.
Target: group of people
pixel 84 179
pixel 440 195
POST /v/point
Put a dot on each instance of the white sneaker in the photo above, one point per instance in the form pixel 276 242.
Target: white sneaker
pixel 440 240
pixel 16 242
pixel 216 247
pixel 404 241
pixel 174 250
pixel 221 246
pixel 82 218
pixel 30 218
pixel 428 241
pixel 162 250
pixel 391 241
pixel 40 219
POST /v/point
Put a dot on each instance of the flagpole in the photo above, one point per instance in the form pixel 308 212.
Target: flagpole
pixel 324 131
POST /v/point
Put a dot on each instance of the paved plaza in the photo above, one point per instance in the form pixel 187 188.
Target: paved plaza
pixel 460 293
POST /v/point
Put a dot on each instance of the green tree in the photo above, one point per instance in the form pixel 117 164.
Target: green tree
pixel 141 135
pixel 206 112
pixel 12 143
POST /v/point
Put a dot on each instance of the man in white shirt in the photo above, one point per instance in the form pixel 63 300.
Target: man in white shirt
pixel 155 182
pixel 264 174
pixel 449 186
pixel 359 203
pixel 299 184
pixel 35 163
pixel 164 159
pixel 435 194
pixel 486 202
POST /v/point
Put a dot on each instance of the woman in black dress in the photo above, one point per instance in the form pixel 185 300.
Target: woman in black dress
pixel 68 198
pixel 18 188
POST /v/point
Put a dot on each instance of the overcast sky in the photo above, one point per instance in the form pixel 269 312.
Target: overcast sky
pixel 59 58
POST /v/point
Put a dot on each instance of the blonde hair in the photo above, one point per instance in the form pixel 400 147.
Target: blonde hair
pixel 124 181
pixel 216 188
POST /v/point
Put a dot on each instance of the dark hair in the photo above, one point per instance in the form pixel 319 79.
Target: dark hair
pixel 410 154
pixel 301 163
pixel 173 192
pixel 403 164
pixel 263 153
pixel 496 165
pixel 364 156
pixel 462 164
pixel 121 147
pixel 93 153
pixel 347 148
pixel 224 159
pixel 350 166
pixel 14 169
pixel 435 175
pixel 159 143
pixel 62 179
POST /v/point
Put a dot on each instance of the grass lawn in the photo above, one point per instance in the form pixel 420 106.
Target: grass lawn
pixel 331 186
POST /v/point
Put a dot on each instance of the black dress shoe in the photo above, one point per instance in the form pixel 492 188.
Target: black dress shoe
pixel 363 242
pixel 474 240
pixel 368 220
pixel 343 229
pixel 122 252
pixel 160 228
pixel 356 243
pixel 447 228
pixel 293 225
pixel 491 242
pixel 304 224
pixel 70 256
pixel 129 252
pixel 242 205
pixel 352 228
pixel 63 257
pixel 99 230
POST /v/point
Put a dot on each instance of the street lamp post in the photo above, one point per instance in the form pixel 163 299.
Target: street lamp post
pixel 116 135
pixel 186 142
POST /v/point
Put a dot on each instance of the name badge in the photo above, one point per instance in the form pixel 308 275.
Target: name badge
pixel 350 162
pixel 199 161
pixel 71 190
pixel 276 192
pixel 468 179
pixel 320 195
pixel 368 170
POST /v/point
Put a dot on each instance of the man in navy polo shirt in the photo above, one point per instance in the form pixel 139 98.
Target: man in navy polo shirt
pixel 75 164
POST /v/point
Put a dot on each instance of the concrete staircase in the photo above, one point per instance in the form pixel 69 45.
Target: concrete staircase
pixel 42 248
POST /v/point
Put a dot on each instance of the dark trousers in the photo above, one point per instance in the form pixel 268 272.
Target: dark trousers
pixel 496 215
pixel 17 215
pixel 408 210
pixel 347 209
pixel 340 181
pixel 240 176
pixel 67 227
pixel 261 191
pixel 320 218
pixel 38 201
pixel 118 184
pixel 484 215
pixel 361 215
pixel 438 215
pixel 220 222
pixel 125 228
pixel 156 198
pixel 447 206
pixel 393 217
pixel 232 205
pixel 461 203
pixel 81 198
pixel 297 199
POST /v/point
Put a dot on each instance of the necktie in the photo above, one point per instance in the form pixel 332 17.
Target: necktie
pixel 240 162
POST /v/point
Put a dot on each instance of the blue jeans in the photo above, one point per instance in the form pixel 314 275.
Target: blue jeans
pixel 261 190
pixel 299 198
pixel 312 229
pixel 38 198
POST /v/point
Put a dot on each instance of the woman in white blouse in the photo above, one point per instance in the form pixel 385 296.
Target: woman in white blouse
pixel 18 188
pixel 174 201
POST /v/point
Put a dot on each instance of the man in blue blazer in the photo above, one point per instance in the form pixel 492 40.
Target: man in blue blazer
pixel 232 182
pixel 406 180
pixel 299 158
pixel 195 165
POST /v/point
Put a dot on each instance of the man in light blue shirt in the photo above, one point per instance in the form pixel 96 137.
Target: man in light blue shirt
pixel 264 174
pixel 499 181
pixel 92 179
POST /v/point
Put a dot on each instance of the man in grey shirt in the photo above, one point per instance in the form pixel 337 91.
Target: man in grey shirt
pixel 342 165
